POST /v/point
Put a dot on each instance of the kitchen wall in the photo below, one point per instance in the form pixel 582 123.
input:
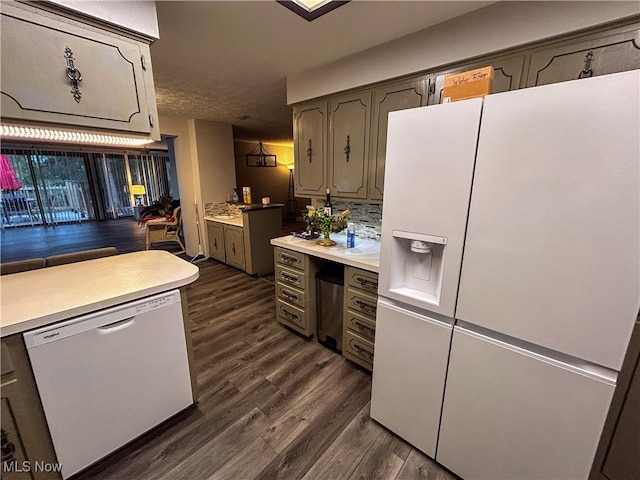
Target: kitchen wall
pixel 499 26
pixel 265 181
pixel 205 169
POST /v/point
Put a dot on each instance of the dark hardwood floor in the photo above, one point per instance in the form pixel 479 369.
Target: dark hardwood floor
pixel 271 405
pixel 22 243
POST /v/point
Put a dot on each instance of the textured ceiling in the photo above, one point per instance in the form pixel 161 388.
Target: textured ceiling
pixel 221 60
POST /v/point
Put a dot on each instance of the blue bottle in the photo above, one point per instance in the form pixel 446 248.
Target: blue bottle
pixel 351 236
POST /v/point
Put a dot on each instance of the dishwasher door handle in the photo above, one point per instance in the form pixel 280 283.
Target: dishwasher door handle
pixel 117 326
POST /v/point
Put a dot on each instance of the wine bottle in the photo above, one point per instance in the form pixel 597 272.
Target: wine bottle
pixel 328 206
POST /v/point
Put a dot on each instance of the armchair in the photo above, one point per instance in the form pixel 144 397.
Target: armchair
pixel 162 231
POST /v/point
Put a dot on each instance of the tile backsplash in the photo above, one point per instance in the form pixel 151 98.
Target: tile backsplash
pixel 366 217
pixel 213 209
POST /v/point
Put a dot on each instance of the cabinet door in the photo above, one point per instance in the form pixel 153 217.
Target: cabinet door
pixel 215 233
pixel 25 435
pixel 349 145
pixel 310 135
pixel 58 71
pixel 598 55
pixel 234 246
pixel 507 74
pixel 389 99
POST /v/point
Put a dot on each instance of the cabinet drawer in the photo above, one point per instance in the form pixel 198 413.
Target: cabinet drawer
pixel 367 281
pixel 290 277
pixel 361 325
pixel 289 294
pixel 290 315
pixel 362 303
pixel 290 258
pixel 358 349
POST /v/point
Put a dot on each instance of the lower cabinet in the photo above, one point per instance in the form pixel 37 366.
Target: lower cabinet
pixel 215 232
pixel 296 291
pixel 246 246
pixel 27 450
pixel 297 305
pixel 234 246
pixel 359 319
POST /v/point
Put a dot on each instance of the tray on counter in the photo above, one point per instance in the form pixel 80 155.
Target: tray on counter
pixel 306 235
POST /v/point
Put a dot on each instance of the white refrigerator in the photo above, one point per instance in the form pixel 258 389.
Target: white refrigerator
pixel 509 275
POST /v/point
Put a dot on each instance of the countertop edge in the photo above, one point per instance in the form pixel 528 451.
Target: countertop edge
pixel 21 326
pixel 369 264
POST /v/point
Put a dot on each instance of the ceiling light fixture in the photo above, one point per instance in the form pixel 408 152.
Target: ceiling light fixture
pixel 20 132
pixel 311 9
pixel 259 157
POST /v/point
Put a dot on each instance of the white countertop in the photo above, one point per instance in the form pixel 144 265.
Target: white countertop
pixel 237 221
pixel 39 297
pixel 365 255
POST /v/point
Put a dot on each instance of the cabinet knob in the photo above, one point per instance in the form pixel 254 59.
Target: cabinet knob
pixel 587 71
pixel 310 151
pixel 347 148
pixel 73 74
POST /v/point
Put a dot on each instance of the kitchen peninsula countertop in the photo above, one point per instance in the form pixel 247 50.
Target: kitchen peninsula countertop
pixel 39 297
pixel 365 255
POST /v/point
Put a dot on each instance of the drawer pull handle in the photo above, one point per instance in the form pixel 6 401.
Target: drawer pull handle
pixel 361 351
pixel 310 151
pixel 367 307
pixel 290 316
pixel 364 328
pixel 366 283
pixel 288 259
pixel 290 278
pixel 290 296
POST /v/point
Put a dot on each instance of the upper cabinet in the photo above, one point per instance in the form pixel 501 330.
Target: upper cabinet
pixel 309 138
pixel 592 56
pixel 350 159
pixel 387 99
pixel 57 70
pixel 349 118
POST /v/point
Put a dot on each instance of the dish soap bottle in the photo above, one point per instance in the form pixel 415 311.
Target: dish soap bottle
pixel 351 235
pixel 235 195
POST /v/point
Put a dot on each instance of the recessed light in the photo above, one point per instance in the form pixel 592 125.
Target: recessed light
pixel 311 9
pixel 243 117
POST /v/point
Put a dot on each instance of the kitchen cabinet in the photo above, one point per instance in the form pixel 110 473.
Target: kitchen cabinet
pixel 605 50
pixel 243 242
pixel 387 99
pixel 592 55
pixel 25 436
pixel 58 70
pixel 507 73
pixel 359 319
pixel 348 146
pixel 309 138
pixel 234 246
pixel 296 291
pixel 215 233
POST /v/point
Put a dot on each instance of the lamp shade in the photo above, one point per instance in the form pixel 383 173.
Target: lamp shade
pixel 138 190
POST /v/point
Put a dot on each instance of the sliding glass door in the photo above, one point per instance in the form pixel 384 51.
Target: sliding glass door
pixel 56 187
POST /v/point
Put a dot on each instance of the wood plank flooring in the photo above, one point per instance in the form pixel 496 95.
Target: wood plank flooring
pixel 22 243
pixel 272 404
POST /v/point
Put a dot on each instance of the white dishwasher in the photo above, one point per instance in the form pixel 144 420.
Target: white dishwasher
pixel 108 377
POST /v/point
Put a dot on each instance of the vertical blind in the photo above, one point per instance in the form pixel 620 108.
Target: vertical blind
pixel 66 186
